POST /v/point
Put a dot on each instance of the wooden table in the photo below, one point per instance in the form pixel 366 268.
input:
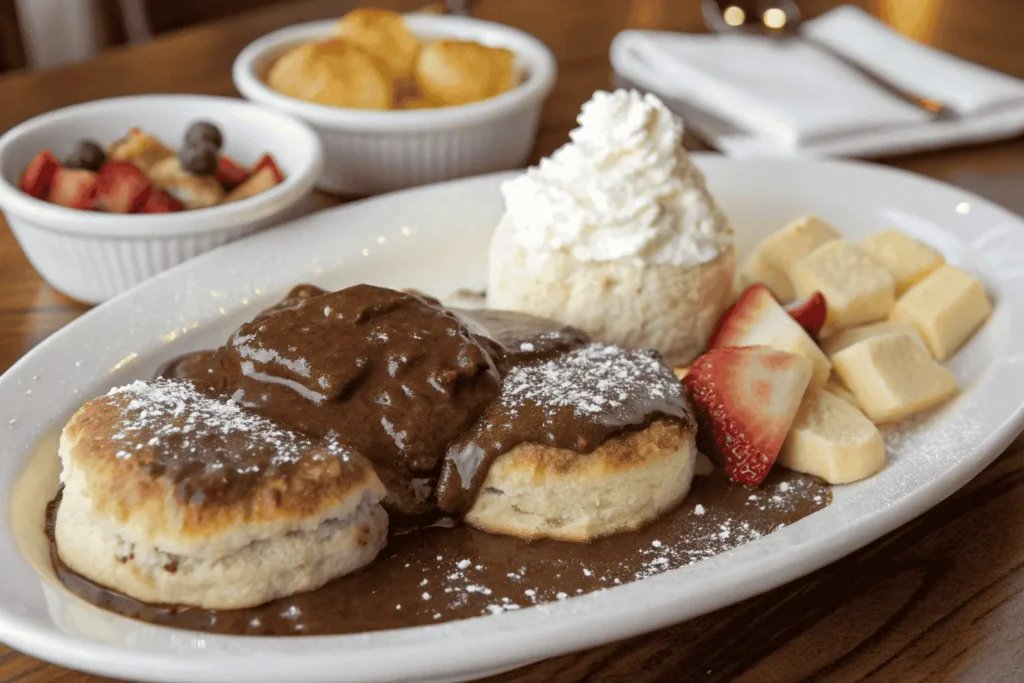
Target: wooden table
pixel 939 599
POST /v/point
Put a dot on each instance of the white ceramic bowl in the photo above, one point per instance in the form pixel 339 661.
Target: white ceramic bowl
pixel 371 151
pixel 93 256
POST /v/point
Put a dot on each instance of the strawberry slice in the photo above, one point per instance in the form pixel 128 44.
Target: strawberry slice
pixel 737 322
pixel 745 399
pixel 38 176
pixel 260 181
pixel 122 187
pixel 159 201
pixel 74 188
pixel 758 319
pixel 230 173
pixel 267 161
pixel 810 313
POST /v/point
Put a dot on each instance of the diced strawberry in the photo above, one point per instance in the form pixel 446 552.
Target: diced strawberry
pixel 745 399
pixel 267 161
pixel 159 201
pixel 810 314
pixel 738 318
pixel 74 188
pixel 260 181
pixel 38 176
pixel 122 187
pixel 758 319
pixel 229 173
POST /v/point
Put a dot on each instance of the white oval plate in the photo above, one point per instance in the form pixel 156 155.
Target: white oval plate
pixel 434 238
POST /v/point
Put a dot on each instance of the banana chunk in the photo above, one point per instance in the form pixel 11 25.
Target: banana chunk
pixel 946 308
pixel 840 341
pixel 858 288
pixel 771 260
pixel 836 387
pixel 796 240
pixel 833 440
pixel 758 269
pixel 909 260
pixel 893 377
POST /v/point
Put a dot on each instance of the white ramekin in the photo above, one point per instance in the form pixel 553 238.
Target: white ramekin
pixel 93 256
pixel 367 151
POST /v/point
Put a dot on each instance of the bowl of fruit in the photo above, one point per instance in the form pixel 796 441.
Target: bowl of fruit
pixel 105 194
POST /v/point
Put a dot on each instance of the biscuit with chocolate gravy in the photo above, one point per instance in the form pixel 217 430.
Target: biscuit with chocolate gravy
pixel 537 491
pixel 174 496
pixel 586 443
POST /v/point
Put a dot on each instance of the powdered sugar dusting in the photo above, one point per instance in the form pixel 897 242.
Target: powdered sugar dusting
pixel 592 379
pixel 172 422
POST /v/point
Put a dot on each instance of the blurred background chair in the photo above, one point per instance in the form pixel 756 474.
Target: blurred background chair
pixel 44 33
pixel 12 49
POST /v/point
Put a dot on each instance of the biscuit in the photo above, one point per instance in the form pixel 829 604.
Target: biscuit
pixel 592 442
pixel 669 308
pixel 174 496
pixel 539 491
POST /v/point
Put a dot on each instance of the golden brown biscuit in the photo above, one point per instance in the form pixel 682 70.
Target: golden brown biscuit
pixel 384 35
pixel 173 496
pixel 538 491
pixel 335 73
pixel 451 72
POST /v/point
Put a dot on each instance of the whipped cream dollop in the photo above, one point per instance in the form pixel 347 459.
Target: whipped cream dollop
pixel 623 188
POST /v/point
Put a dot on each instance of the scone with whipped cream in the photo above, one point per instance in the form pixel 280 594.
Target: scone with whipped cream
pixel 616 234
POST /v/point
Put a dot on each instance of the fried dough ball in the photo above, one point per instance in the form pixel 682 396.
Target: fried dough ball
pixel 384 35
pixel 451 72
pixel 333 72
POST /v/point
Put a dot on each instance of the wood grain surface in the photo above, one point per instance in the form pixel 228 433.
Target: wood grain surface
pixel 940 599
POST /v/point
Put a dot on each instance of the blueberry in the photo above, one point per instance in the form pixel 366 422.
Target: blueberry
pixel 204 131
pixel 88 155
pixel 199 159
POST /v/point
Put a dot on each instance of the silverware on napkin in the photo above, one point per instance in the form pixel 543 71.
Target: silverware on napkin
pixel 781 19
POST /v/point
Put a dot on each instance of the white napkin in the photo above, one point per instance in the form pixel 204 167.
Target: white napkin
pixel 758 96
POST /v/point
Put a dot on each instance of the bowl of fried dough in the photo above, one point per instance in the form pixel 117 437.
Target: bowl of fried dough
pixel 404 100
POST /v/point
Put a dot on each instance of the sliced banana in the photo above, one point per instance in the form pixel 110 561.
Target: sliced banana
pixel 833 440
pixel 893 377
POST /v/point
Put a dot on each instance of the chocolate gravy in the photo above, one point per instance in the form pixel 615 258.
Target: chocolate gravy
pixel 387 374
pixel 439 574
pixel 431 396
